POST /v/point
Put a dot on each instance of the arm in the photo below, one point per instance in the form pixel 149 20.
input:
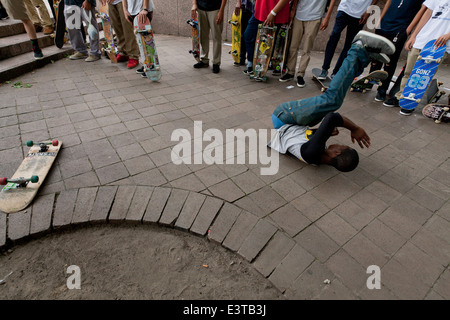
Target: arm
pixel 145 10
pixel 270 20
pixel 442 40
pixel 219 18
pixel 357 133
pixel 416 20
pixel 237 8
pixel 326 20
pixel 383 13
pixel 366 15
pixel 194 9
pixel 293 10
pixel 426 16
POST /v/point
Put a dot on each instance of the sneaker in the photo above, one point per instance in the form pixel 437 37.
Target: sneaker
pixel 323 75
pixel 390 103
pixel 143 75
pixel 276 73
pixel 375 43
pixel 300 82
pixel 140 70
pixel 47 30
pixel 132 63
pixel 38 55
pixel 381 57
pixel 248 71
pixel 78 55
pixel 405 112
pixel 332 76
pixel 216 68
pixel 201 64
pixel 121 58
pixel 381 96
pixel 286 77
pixel 92 58
pixel 236 64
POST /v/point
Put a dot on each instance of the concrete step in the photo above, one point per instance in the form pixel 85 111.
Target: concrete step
pixel 16 66
pixel 10 27
pixel 20 43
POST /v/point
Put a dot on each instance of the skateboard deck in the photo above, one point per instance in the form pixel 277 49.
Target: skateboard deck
pixel 61 35
pixel 279 51
pixel 323 84
pixel 438 112
pixel 149 56
pixel 263 51
pixel 19 191
pixel 367 82
pixel 236 34
pixel 110 48
pixel 195 51
pixel 423 72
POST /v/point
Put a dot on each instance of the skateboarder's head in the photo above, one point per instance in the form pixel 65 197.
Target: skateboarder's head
pixel 342 157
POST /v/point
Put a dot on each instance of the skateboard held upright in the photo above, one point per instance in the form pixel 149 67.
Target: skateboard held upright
pixel 279 51
pixel 110 49
pixel 367 82
pixel 147 48
pixel 263 52
pixel 423 72
pixel 236 36
pixel 19 190
pixel 323 84
pixel 61 33
pixel 195 39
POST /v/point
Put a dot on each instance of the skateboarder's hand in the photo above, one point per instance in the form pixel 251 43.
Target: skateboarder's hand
pixel 364 18
pixel 142 16
pixel 86 5
pixel 237 9
pixel 335 132
pixel 219 17
pixel 270 21
pixel 324 24
pixel 194 11
pixel 360 136
pixel 409 44
pixel 442 40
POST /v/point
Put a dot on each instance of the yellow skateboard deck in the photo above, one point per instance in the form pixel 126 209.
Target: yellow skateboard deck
pixel 236 34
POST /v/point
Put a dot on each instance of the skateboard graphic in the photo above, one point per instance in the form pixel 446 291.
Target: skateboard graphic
pixel 195 39
pixel 110 48
pixel 423 72
pixel 367 82
pixel 263 52
pixel 147 49
pixel 323 84
pixel 438 112
pixel 279 51
pixel 236 34
pixel 19 190
pixel 61 34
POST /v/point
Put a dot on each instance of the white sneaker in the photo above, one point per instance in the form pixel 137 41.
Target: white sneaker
pixel 375 43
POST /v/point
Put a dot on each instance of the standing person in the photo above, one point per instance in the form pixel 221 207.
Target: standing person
pixel 86 8
pixel 38 13
pixel 18 11
pixel 398 19
pixel 3 13
pixel 248 8
pixel 351 14
pixel 268 13
pixel 306 25
pixel 434 24
pixel 126 40
pixel 210 18
pixel 138 8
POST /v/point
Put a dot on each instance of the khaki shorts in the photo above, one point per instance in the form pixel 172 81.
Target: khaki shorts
pixel 16 9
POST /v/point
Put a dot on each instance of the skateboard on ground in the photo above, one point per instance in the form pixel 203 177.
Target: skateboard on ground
pixel 195 39
pixel 236 34
pixel 367 82
pixel 19 190
pixel 61 35
pixel 110 49
pixel 279 51
pixel 323 84
pixel 438 112
pixel 149 56
pixel 423 72
pixel 263 51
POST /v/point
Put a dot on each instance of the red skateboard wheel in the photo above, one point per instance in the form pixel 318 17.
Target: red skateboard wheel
pixel 55 143
pixel 3 181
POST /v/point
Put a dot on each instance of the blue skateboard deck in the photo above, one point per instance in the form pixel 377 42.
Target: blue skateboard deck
pixel 423 72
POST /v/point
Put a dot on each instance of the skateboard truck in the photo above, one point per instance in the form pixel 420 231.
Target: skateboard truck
pixel 42 145
pixel 234 23
pixel 21 182
pixel 444 111
pixel 428 59
pixel 410 97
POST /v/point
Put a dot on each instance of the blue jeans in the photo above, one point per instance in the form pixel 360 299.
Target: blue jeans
pixel 310 111
pixel 250 37
pixel 343 20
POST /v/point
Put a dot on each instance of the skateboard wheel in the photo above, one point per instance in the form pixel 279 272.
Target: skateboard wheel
pixel 446 109
pixel 55 143
pixel 419 58
pixel 439 60
pixel 30 143
pixel 34 179
pixel 3 181
pixel 437 121
pixel 323 89
pixel 364 91
pixel 352 89
pixel 402 96
pixel 418 100
pixel 366 81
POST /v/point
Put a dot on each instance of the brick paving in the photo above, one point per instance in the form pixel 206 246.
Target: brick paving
pixel 298 228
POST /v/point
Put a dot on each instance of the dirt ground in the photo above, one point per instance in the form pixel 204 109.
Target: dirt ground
pixel 129 262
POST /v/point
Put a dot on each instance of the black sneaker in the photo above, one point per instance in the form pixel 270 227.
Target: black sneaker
pixel 236 64
pixel 381 96
pixel 405 112
pixel 201 64
pixel 38 55
pixel 216 68
pixel 300 82
pixel 286 77
pixel 248 71
pixel 140 70
pixel 390 103
pixel 143 75
pixel 323 75
pixel 276 73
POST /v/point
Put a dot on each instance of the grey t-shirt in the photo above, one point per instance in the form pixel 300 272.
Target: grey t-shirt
pixel 290 138
pixel 309 10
